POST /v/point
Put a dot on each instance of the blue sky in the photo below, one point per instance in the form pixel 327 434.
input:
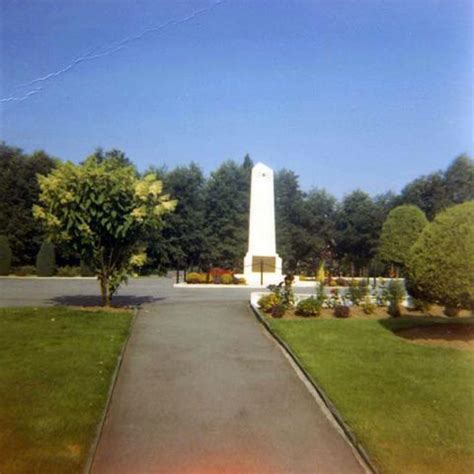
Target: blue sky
pixel 349 94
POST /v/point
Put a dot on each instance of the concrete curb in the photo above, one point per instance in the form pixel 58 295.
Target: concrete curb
pixel 100 426
pixel 327 402
pixel 215 285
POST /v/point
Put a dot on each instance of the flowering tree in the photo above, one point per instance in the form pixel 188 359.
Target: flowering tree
pixel 104 212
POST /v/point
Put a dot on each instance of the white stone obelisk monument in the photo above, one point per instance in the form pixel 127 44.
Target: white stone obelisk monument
pixel 262 262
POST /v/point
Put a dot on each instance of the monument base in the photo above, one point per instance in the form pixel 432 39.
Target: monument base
pixel 263 267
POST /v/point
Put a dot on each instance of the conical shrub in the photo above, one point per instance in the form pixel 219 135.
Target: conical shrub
pixel 46 260
pixel 5 256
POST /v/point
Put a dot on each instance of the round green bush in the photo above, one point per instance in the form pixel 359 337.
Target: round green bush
pixel 308 307
pixel 400 231
pixel 46 260
pixel 441 264
pixel 5 256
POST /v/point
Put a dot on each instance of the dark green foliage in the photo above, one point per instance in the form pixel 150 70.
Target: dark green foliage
pixel 182 241
pixel 46 260
pixel 19 191
pixel 459 180
pixel 308 307
pixel 291 232
pixel 428 193
pixel 342 311
pixel 5 255
pixel 441 265
pixel 400 231
pixel 437 191
pixel 227 195
pixel 358 228
pixel 278 311
pixel 86 271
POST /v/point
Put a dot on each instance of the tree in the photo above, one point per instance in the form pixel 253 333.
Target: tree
pixel 428 193
pixel 183 230
pixel 459 180
pixel 319 226
pixel 358 228
pixel 19 191
pixel 290 215
pixel 227 198
pixel 5 255
pixel 104 212
pixel 399 232
pixel 441 263
pixel 46 260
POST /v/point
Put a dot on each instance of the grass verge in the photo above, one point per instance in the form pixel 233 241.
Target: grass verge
pixel 411 406
pixel 56 366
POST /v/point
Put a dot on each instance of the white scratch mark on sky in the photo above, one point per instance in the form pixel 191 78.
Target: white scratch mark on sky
pixel 102 52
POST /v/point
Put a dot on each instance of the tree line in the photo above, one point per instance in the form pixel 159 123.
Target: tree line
pixel 209 226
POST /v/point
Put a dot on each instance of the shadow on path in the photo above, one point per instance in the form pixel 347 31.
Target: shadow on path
pixel 95 300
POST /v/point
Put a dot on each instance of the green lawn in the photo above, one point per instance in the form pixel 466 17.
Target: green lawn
pixel 411 406
pixel 56 366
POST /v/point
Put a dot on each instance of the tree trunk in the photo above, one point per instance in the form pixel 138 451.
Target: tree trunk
pixel 104 290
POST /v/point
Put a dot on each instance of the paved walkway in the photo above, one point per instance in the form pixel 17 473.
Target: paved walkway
pixel 203 389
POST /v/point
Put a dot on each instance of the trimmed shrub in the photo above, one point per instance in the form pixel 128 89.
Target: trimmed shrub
pixel 396 294
pixel 308 307
pixel 441 264
pixel 400 231
pixel 194 278
pixel 342 311
pixel 68 271
pixel 240 281
pixel 24 270
pixel 278 311
pixel 227 279
pixel 267 302
pixel 5 256
pixel 46 260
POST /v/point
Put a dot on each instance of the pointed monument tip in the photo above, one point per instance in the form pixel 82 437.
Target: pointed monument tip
pixel 260 165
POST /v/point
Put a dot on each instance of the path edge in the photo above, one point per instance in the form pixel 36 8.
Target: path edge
pixel 100 427
pixel 351 438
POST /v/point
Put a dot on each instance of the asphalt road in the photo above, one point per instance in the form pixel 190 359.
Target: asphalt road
pixel 85 292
